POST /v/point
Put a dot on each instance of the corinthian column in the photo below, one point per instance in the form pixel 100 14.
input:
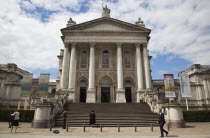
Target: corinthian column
pixel 139 68
pixel 147 68
pixel 91 96
pixel 65 67
pixel 120 98
pixel 72 72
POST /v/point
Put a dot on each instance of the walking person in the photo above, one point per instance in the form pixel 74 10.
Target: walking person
pixel 10 118
pixel 92 118
pixel 15 122
pixel 162 122
pixel 64 118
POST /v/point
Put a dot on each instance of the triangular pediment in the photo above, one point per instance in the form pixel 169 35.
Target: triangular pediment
pixel 106 24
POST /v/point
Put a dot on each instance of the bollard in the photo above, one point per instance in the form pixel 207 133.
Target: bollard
pixel 100 127
pixel 118 127
pixel 67 128
pixel 168 125
pixel 152 127
pixel 50 126
pixel 84 128
pixel 135 127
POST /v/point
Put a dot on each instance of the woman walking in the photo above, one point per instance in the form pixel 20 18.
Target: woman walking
pixel 15 122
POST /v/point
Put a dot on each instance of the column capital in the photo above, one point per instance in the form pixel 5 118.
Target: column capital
pixel 92 43
pixel 66 44
pixel 73 44
pixel 144 44
pixel 137 44
pixel 119 44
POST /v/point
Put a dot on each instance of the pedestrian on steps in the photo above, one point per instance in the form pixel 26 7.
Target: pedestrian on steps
pixel 92 118
pixel 64 115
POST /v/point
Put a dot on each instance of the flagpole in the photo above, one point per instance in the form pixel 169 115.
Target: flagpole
pixel 187 104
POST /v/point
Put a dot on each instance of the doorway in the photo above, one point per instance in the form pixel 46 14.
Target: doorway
pixel 128 94
pixel 105 94
pixel 82 94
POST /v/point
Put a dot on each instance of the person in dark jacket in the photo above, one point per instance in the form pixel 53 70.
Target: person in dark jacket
pixel 64 115
pixel 92 118
pixel 10 119
pixel 162 122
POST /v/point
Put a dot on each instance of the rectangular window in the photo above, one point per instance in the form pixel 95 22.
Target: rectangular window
pixel 105 60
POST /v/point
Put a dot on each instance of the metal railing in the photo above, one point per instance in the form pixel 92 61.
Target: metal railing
pixel 101 126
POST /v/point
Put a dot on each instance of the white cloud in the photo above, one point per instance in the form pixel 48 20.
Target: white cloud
pixel 27 5
pixel 179 27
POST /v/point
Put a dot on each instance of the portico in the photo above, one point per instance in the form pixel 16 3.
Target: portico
pixel 99 57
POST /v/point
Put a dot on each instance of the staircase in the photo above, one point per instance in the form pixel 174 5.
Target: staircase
pixel 110 114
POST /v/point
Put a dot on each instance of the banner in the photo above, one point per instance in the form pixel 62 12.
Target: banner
pixel 26 85
pixel 169 85
pixel 185 85
pixel 43 85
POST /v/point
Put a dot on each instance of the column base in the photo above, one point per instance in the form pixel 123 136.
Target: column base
pixel 176 124
pixel 149 89
pixel 174 115
pixel 91 96
pixel 71 95
pixel 140 96
pixel 120 98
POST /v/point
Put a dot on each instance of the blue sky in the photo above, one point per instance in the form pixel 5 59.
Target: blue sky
pixel 30 31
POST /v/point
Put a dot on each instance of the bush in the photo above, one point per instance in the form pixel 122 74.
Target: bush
pixel 25 115
pixel 196 116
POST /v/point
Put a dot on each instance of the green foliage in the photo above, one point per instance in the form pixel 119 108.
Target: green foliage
pixel 25 115
pixel 196 116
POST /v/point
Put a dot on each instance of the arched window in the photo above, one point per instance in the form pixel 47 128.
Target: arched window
pixel 128 81
pixel 105 58
pixel 106 80
pixel 83 81
pixel 83 59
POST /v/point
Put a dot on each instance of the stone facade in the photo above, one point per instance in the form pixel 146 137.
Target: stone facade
pixel 104 60
pixel 200 86
pixel 10 86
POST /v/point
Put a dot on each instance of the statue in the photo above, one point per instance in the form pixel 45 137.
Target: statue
pixel 140 22
pixel 71 22
pixel 106 12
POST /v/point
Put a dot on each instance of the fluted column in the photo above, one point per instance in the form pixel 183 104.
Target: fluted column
pixel 139 68
pixel 147 68
pixel 120 98
pixel 91 94
pixel 72 72
pixel 65 67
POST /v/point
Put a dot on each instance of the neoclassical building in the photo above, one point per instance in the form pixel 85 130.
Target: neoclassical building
pixel 105 61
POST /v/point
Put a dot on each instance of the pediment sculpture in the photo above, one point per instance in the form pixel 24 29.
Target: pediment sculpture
pixel 106 12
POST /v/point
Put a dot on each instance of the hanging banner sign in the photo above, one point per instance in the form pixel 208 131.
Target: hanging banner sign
pixel 169 85
pixel 26 85
pixel 43 85
pixel 185 85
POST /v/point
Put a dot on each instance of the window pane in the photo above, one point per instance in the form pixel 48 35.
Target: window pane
pixel 83 59
pixel 105 59
pixel 127 59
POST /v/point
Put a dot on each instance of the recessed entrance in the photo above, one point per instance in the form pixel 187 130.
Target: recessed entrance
pixel 128 94
pixel 82 94
pixel 105 94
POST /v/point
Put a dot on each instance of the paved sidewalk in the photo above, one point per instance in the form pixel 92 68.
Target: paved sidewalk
pixel 193 130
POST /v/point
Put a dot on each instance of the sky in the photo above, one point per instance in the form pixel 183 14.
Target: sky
pixel 30 31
